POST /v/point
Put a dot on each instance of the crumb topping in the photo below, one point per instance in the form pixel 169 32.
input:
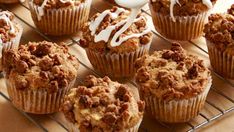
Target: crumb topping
pixel 40 66
pixel 102 105
pixel 220 30
pixel 8 28
pixel 171 74
pixel 185 8
pixel 130 45
pixel 56 4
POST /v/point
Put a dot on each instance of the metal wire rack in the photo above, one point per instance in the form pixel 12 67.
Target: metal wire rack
pixel 203 118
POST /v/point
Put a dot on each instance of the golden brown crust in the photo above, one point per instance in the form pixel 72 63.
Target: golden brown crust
pixel 187 8
pixel 130 45
pixel 102 105
pixel 40 66
pixel 220 30
pixel 171 74
pixel 56 4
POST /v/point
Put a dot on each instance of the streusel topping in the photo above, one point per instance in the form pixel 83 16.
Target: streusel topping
pixel 8 28
pixel 172 74
pixel 98 36
pixel 182 8
pixel 102 105
pixel 220 30
pixel 40 66
pixel 56 4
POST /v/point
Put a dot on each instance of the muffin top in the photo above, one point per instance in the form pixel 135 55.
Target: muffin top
pixel 56 4
pixel 40 66
pixel 182 7
pixel 99 32
pixel 102 105
pixel 220 30
pixel 172 74
pixel 8 28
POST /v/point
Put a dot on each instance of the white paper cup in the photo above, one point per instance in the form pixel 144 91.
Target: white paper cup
pixel 12 44
pixel 74 127
pixel 175 111
pixel 64 21
pixel 184 28
pixel 221 62
pixel 116 65
pixel 36 101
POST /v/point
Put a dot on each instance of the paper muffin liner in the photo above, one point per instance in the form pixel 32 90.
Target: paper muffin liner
pixel 73 127
pixel 185 27
pixel 221 62
pixel 12 44
pixel 116 65
pixel 176 111
pixel 36 101
pixel 64 21
pixel 9 1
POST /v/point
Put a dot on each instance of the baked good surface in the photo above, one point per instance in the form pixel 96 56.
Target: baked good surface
pixel 56 4
pixel 172 74
pixel 98 37
pixel 182 8
pixel 219 30
pixel 102 105
pixel 8 28
pixel 40 66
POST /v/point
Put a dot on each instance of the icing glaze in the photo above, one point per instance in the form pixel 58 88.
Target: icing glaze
pixel 40 10
pixel 135 7
pixel 104 35
pixel 5 16
pixel 208 3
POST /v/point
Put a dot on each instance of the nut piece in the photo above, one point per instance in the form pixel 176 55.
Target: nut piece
pixel 21 66
pixel 109 118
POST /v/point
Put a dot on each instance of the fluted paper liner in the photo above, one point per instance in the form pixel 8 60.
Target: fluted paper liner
pixel 176 111
pixel 221 62
pixel 185 27
pixel 64 21
pixel 116 65
pixel 9 1
pixel 13 44
pixel 74 127
pixel 36 101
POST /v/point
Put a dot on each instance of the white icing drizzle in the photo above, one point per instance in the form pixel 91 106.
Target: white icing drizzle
pixel 95 23
pixel 208 3
pixel 5 16
pixel 173 2
pixel 104 35
pixel 22 1
pixel 40 10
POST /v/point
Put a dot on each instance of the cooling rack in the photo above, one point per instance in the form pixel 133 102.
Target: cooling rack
pixel 220 100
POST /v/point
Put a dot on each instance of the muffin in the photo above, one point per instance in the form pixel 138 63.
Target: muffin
pixel 38 75
pixel 10 33
pixel 173 84
pixel 115 59
pixel 59 17
pixel 220 42
pixel 11 1
pixel 182 20
pixel 102 105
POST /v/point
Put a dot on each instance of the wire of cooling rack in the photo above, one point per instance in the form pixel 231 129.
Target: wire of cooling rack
pixel 192 126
